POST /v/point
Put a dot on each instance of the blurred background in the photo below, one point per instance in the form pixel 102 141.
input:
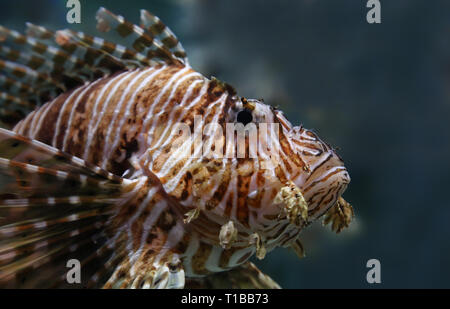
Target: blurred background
pixel 380 93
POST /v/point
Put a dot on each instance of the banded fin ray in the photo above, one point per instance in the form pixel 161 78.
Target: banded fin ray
pixel 55 207
pixel 18 148
pixel 40 64
pixel 142 41
pixel 50 210
pixel 154 27
pixel 94 62
pixel 52 62
pixel 13 86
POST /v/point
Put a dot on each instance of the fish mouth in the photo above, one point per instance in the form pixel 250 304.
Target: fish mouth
pixel 323 192
pixel 326 178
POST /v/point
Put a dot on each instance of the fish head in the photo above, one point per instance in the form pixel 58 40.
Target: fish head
pixel 246 160
pixel 288 158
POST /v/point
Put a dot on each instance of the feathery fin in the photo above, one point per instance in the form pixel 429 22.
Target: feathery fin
pixel 127 57
pixel 52 207
pixel 148 272
pixel 154 27
pixel 52 62
pixel 55 207
pixel 139 39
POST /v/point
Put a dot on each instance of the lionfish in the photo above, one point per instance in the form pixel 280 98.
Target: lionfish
pixel 91 172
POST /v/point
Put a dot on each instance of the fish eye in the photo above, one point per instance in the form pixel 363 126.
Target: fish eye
pixel 244 116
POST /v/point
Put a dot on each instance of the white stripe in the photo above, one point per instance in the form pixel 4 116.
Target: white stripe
pixel 24 123
pixel 72 112
pixel 172 183
pixel 132 100
pixel 149 222
pixel 168 124
pixel 74 200
pixel 173 238
pixel 40 225
pixel 151 219
pixel 118 80
pixel 42 117
pixel 36 117
pixel 144 204
pixel 158 98
pixel 32 168
pixel 61 113
pixel 61 174
pixel 73 217
pixel 117 110
pixel 17 202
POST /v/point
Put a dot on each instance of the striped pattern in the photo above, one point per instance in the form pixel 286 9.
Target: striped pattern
pixel 159 205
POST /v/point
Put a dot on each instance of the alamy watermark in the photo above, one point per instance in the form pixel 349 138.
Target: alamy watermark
pixel 74 14
pixel 374 14
pixel 374 274
pixel 73 276
pixel 255 141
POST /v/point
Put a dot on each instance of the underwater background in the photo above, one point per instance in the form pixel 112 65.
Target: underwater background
pixel 380 93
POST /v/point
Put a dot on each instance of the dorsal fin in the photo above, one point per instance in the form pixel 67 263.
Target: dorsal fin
pixel 92 60
pixel 156 28
pixel 129 58
pixel 145 42
pixel 52 62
